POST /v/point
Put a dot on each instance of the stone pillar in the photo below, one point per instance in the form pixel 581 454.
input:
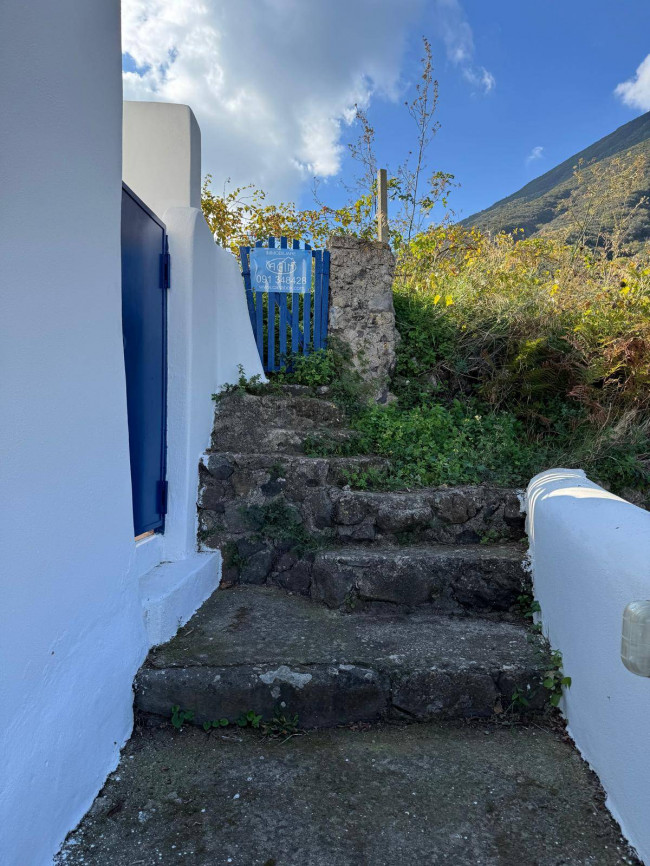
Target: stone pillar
pixel 361 312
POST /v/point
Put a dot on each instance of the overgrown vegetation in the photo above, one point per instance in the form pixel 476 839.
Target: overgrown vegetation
pixel 333 368
pixel 541 347
pixel 516 354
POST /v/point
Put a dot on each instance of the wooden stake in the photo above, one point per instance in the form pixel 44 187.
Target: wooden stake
pixel 382 205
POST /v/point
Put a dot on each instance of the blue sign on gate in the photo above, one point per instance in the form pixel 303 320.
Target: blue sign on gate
pixel 280 270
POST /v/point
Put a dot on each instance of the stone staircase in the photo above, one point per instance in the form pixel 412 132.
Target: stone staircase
pixel 344 605
pixel 346 608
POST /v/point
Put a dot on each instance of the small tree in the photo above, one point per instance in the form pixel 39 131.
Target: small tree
pixel 238 216
pixel 600 209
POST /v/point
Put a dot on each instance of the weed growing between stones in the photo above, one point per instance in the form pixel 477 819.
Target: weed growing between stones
pixel 281 524
pixel 528 607
pixel 553 680
pixel 245 385
pixel 251 718
pixel 216 723
pixel 179 716
pixel 232 557
pixel 281 724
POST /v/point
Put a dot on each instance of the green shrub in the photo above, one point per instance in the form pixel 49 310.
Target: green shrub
pixel 332 368
pixel 443 445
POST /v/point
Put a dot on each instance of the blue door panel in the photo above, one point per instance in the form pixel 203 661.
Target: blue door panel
pixel 144 326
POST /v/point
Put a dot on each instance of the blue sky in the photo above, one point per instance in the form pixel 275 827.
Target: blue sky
pixel 523 85
pixel 555 66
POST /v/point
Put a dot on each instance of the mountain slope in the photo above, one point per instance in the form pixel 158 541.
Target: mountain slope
pixel 535 206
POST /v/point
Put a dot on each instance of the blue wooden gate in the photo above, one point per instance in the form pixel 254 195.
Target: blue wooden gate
pixel 145 280
pixel 287 324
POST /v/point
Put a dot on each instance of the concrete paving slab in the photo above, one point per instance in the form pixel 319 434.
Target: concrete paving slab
pixel 442 795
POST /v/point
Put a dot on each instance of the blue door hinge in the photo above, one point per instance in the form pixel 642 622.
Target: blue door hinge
pixel 162 497
pixel 165 270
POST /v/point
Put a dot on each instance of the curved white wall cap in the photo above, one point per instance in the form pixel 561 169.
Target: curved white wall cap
pixel 580 500
pixel 235 338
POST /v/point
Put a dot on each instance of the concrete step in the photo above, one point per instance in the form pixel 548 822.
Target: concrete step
pixel 447 579
pixel 252 648
pixel 273 422
pixel 440 794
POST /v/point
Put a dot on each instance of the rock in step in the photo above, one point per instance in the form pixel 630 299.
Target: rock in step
pixel 253 648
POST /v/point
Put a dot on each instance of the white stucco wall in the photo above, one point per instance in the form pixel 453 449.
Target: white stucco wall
pixel 81 602
pixel 162 154
pixel 591 556
pixel 209 334
pixel 71 630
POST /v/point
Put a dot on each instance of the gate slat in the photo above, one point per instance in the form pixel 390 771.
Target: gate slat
pixel 284 314
pixel 295 313
pixel 270 323
pixel 306 318
pixel 318 273
pixel 306 323
pixel 325 297
pixel 259 323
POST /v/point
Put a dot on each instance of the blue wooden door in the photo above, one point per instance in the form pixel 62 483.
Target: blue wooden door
pixel 145 279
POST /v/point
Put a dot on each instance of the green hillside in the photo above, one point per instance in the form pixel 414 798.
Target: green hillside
pixel 538 205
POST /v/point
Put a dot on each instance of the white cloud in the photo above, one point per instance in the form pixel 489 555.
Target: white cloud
pixel 272 82
pixel 459 43
pixel 635 92
pixel 535 154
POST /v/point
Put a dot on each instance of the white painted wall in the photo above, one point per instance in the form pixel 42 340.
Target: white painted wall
pixel 209 334
pixel 162 154
pixel 591 557
pixel 71 631
pixel 80 602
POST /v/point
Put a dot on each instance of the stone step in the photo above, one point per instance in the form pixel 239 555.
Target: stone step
pixel 442 515
pixel 273 422
pixel 317 487
pixel 252 648
pixel 229 474
pixel 447 579
pixel 442 794
pixel 232 483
